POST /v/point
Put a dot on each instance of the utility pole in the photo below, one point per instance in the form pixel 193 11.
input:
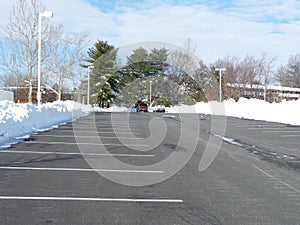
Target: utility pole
pixel 88 91
pixel 220 80
pixel 47 14
pixel 150 103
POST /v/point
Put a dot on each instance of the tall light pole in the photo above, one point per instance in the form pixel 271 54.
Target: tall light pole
pixel 47 14
pixel 88 91
pixel 150 93
pixel 220 75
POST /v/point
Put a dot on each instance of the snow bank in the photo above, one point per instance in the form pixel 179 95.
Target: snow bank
pixel 287 112
pixel 17 120
pixel 111 109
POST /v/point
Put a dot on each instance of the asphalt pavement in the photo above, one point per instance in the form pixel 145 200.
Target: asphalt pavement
pixel 143 168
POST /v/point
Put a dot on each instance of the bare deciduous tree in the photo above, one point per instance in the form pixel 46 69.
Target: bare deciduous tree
pixel 289 74
pixel 64 62
pixel 233 70
pixel 182 67
pixel 265 70
pixel 19 51
pixel 18 54
pixel 249 71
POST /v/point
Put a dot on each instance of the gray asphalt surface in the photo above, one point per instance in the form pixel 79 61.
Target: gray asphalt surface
pixel 255 178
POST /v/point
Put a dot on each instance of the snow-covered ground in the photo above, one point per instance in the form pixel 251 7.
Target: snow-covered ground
pixel 111 109
pixel 19 120
pixel 287 112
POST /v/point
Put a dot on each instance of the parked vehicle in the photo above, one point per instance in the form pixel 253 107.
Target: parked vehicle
pixel 157 108
pixel 160 108
pixel 142 107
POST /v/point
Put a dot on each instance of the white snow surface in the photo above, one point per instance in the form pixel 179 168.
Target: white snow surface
pixel 287 112
pixel 111 109
pixel 20 120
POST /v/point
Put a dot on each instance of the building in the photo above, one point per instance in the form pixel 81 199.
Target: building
pixel 270 93
pixel 6 95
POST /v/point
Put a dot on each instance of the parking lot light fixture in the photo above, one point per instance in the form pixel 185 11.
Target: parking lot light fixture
pixel 150 103
pixel 220 80
pixel 47 14
pixel 88 91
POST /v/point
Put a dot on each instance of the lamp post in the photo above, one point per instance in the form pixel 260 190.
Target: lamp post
pixel 47 14
pixel 88 91
pixel 220 75
pixel 150 103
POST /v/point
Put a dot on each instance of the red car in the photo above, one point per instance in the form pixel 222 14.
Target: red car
pixel 142 107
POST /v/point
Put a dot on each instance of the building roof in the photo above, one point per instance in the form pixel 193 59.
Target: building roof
pixel 271 87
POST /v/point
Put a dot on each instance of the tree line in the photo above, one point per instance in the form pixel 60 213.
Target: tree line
pixel 126 84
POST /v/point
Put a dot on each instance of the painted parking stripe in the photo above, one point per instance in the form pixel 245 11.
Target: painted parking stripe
pixel 79 169
pixel 98 132
pixel 277 180
pixel 268 128
pixel 169 116
pixel 73 136
pixel 91 199
pixel 91 144
pixel 261 126
pixel 117 122
pixel 290 135
pixel 281 131
pixel 73 153
pixel 116 130
pixel 102 126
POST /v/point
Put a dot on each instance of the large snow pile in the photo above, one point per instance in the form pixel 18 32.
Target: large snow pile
pixel 287 112
pixel 17 120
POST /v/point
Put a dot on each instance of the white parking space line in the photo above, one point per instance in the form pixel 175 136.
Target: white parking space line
pixel 119 122
pixel 281 131
pixel 80 169
pixel 91 144
pixel 98 132
pixel 91 199
pixel 261 126
pixel 114 123
pixel 87 137
pixel 108 128
pixel 276 179
pixel 169 116
pixel 73 153
pixel 290 135
pixel 268 128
